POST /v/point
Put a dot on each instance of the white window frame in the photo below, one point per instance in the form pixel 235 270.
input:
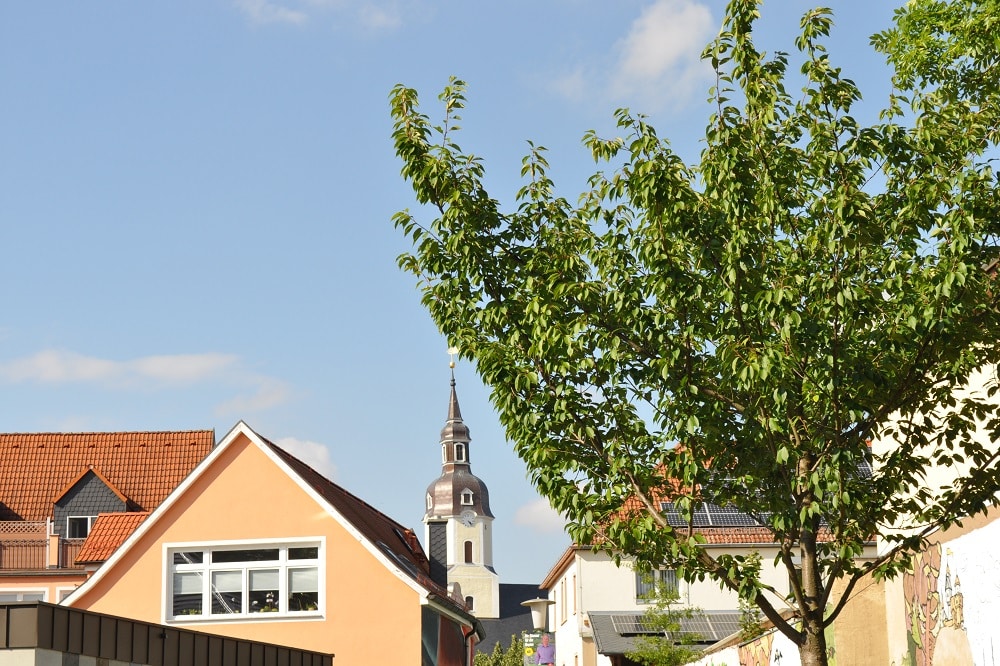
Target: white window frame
pixel 459 452
pixel 467 498
pixel 90 525
pixel 282 565
pixel 646 583
pixel 19 592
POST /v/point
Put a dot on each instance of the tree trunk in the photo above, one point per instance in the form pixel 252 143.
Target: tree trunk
pixel 813 651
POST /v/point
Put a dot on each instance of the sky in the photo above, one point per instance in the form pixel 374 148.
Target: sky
pixel 195 206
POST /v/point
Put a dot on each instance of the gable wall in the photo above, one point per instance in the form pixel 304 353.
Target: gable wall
pixel 244 495
pixel 89 497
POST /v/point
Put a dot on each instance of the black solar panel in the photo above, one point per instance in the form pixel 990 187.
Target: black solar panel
pixel 708 514
pixel 703 626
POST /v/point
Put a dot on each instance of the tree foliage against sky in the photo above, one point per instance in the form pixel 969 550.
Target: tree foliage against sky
pixel 769 308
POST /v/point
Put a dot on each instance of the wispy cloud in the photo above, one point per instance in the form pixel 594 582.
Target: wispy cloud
pixel 659 61
pixel 263 12
pixel 314 454
pixel 539 517
pixel 263 393
pixel 254 392
pixel 371 15
pixel 380 18
pixel 56 366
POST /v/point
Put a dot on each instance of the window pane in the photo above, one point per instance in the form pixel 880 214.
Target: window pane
pixel 78 528
pixel 8 597
pixel 264 591
pixel 303 553
pixel 227 592
pixel 188 587
pixel 256 555
pixel 303 589
pixel 189 557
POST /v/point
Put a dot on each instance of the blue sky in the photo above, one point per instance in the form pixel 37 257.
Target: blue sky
pixel 196 200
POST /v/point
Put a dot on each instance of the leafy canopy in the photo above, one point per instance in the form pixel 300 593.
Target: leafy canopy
pixel 755 317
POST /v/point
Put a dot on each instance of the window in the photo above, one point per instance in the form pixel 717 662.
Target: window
pixel 564 598
pixel 466 498
pixel 468 552
pixel 8 596
pixel 646 584
pixel 248 580
pixel 430 501
pixel 460 452
pixel 78 527
pixel 470 603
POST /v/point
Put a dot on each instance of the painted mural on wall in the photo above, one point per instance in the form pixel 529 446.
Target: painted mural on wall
pixel 775 649
pixel 951 599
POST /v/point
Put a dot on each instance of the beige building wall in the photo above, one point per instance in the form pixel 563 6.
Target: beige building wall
pixel 242 496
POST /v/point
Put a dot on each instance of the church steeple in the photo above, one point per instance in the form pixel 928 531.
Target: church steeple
pixel 457 490
pixel 459 521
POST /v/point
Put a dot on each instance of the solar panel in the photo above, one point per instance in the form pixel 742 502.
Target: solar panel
pixel 631 624
pixel 702 626
pixel 709 515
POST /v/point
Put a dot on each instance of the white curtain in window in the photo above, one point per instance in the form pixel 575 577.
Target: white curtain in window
pixel 227 581
pixel 264 579
pixel 303 580
pixel 187 583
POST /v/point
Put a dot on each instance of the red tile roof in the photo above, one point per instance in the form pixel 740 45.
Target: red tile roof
pixel 107 533
pixel 36 468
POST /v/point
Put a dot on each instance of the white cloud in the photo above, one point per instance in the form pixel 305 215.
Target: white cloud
pixel 268 392
pixel 380 18
pixel 262 12
pixel 255 392
pixel 56 366
pixel 539 517
pixel 659 63
pixel 313 454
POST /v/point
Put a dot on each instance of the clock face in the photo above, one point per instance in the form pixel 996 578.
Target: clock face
pixel 468 518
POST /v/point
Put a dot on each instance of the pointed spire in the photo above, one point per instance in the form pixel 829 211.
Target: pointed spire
pixel 454 412
pixel 455 429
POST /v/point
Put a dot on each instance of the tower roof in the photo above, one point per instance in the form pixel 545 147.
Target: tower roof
pixel 457 489
pixel 455 429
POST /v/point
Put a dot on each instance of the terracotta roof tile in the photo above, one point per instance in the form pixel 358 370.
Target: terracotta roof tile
pixel 143 466
pixel 107 533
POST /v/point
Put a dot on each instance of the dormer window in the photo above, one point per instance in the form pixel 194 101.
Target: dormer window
pixel 460 453
pixel 78 527
pixel 430 501
pixel 466 498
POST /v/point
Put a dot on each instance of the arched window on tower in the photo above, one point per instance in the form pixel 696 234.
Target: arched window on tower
pixel 444 453
pixel 468 552
pixel 430 501
pixel 470 603
pixel 460 453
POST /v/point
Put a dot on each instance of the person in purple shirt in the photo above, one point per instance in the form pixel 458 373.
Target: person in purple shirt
pixel 545 653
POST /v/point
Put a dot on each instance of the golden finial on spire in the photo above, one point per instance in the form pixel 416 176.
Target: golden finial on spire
pixel 452 351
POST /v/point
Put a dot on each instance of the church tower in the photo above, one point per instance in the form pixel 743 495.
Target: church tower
pixel 458 521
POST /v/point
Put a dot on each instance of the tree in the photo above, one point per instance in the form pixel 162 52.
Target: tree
pixel 670 646
pixel 810 285
pixel 512 656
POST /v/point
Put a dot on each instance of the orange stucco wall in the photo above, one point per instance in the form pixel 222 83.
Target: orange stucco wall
pixel 369 612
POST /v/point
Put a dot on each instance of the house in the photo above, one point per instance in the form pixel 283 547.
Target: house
pixel 598 605
pixel 254 544
pixel 54 485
